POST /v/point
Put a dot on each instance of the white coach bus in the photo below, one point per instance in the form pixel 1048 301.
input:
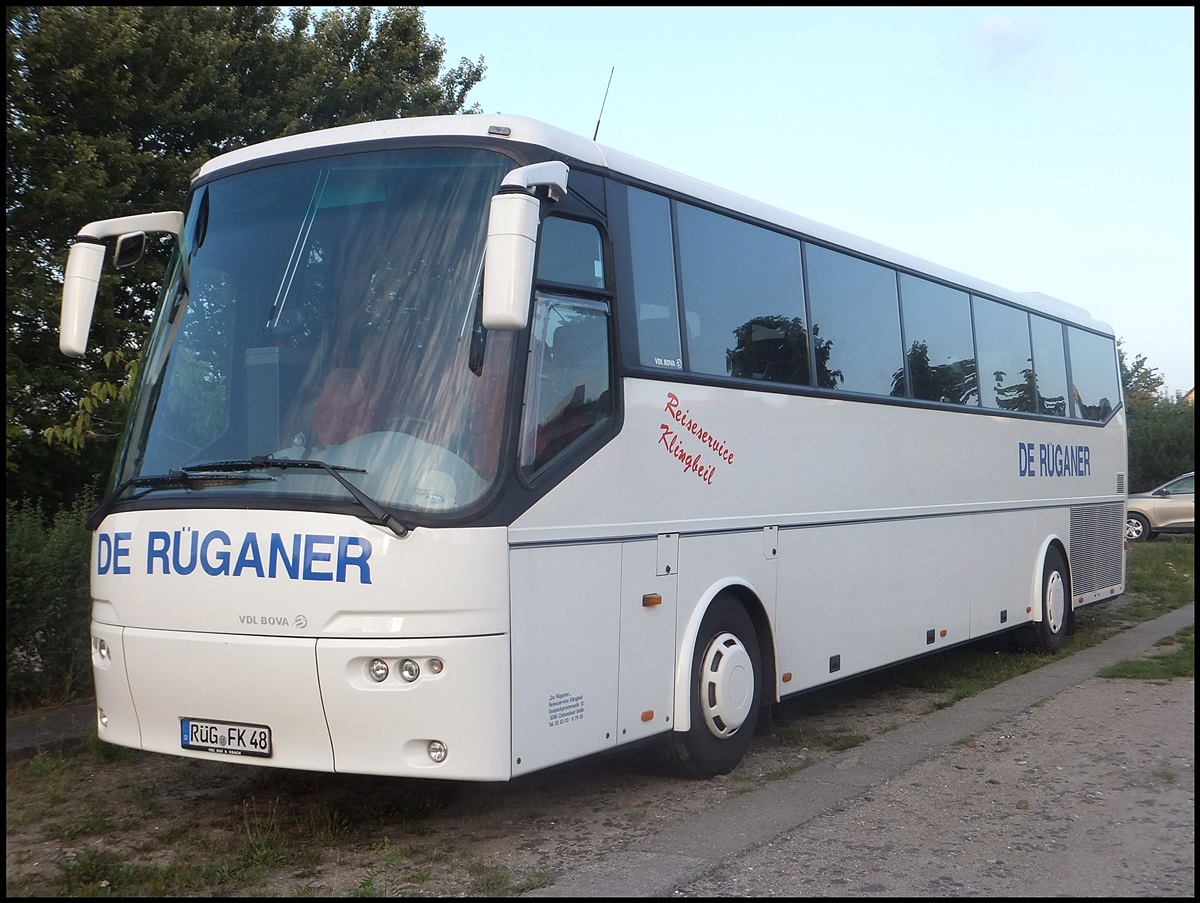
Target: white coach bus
pixel 464 446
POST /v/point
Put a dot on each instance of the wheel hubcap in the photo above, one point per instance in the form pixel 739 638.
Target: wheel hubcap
pixel 1056 602
pixel 726 685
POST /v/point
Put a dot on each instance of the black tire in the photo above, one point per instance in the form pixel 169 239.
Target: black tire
pixel 726 695
pixel 1137 528
pixel 1047 635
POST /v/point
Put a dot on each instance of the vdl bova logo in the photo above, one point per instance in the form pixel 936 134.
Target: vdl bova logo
pixel 299 556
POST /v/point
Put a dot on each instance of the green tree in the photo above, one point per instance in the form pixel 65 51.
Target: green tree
pixel 1162 430
pixel 1141 383
pixel 1162 442
pixel 110 109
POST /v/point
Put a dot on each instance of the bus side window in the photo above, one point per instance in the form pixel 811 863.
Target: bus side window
pixel 568 385
pixel 658 337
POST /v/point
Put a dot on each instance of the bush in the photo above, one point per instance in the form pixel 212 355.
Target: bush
pixel 1162 443
pixel 47 605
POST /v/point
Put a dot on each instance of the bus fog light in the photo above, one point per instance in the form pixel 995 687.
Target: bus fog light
pixel 377 670
pixel 410 670
pixel 438 750
pixel 436 665
pixel 103 718
pixel 102 649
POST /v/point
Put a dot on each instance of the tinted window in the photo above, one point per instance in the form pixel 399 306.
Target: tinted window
pixel 1096 390
pixel 742 294
pixel 1049 365
pixel 571 253
pixel 1005 359
pixel 855 322
pixel 567 390
pixel 1182 486
pixel 654 280
pixel 940 349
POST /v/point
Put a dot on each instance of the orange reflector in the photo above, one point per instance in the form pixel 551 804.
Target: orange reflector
pixel 787 676
pixel 651 599
pixel 1028 609
pixel 648 715
pixel 943 633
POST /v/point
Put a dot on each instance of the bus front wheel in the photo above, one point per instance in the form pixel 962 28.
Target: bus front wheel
pixel 725 695
pixel 1047 635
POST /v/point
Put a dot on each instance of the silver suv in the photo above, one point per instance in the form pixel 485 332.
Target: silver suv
pixel 1171 508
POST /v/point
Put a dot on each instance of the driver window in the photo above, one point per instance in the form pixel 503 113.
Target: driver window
pixel 571 254
pixel 568 390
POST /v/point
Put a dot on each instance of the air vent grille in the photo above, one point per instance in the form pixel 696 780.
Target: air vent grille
pixel 1097 547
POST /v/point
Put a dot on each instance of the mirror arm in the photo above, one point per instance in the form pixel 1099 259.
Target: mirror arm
pixel 511 248
pixel 81 278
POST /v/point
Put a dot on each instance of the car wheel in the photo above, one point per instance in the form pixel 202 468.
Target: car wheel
pixel 1137 528
pixel 1047 635
pixel 725 695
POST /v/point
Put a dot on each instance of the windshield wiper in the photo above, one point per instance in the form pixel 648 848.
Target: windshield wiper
pixel 266 462
pixel 187 478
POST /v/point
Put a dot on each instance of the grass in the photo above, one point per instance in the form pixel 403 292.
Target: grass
pixel 207 829
pixel 1177 659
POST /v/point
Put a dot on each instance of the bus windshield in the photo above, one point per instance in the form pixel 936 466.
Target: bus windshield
pixel 327 309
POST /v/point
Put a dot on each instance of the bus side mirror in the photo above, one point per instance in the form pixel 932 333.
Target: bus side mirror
pixel 512 243
pixel 130 248
pixel 80 282
pixel 81 279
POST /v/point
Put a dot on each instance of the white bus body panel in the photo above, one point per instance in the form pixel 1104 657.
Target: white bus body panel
pixel 346 578
pixel 594 632
pixel 809 461
pixel 286 644
pixel 895 524
pixel 646 682
pixel 566 641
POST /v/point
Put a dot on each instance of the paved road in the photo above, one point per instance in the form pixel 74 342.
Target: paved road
pixel 1056 783
pixel 26 734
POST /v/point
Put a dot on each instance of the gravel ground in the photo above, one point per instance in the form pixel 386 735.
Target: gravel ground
pixel 1054 783
pixel 1057 783
pixel 1044 804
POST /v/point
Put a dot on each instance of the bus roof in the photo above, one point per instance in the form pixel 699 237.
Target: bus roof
pixel 530 131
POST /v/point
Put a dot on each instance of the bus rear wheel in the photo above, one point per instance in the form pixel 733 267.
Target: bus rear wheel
pixel 725 695
pixel 1047 635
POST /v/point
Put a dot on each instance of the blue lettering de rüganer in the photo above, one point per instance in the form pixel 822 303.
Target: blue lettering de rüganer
pixel 298 556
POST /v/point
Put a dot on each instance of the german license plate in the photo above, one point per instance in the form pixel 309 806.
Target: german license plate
pixel 231 738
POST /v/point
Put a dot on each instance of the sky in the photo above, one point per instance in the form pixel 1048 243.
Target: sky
pixel 1047 149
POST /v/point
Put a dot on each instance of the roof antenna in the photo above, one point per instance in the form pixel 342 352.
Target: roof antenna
pixel 603 102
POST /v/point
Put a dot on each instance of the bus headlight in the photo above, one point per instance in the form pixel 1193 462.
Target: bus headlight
pixel 410 670
pixel 438 751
